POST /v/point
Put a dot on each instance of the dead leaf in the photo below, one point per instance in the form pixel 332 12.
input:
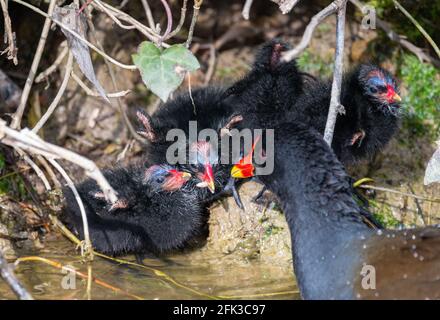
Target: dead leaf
pixel 68 16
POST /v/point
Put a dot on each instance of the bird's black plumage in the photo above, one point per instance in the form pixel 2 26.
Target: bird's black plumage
pixel 370 119
pixel 331 245
pixel 146 219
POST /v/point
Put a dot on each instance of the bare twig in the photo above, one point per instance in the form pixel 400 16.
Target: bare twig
pixel 149 15
pixel 58 97
pixel 88 244
pixel 307 36
pixel 197 5
pixel 9 277
pixel 181 21
pixel 419 27
pixel 16 117
pixel 169 20
pixel 92 93
pixel 76 35
pixel 335 100
pixel 49 171
pixel 34 166
pixel 246 9
pixel 392 35
pixel 411 195
pixel 11 50
pixel 29 141
pixel 43 75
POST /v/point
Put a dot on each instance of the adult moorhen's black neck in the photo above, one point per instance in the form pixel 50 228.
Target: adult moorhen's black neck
pixel 322 216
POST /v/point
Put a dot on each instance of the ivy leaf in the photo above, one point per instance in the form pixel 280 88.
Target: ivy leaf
pixel 163 70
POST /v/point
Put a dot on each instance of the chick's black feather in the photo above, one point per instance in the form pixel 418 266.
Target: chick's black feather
pixel 147 221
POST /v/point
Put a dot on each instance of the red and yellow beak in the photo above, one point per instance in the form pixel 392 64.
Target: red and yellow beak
pixel 242 171
pixel 392 95
pixel 207 179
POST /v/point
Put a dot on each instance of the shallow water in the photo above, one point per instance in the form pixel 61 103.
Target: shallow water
pixel 203 277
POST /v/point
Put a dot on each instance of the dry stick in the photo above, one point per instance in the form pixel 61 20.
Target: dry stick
pixel 29 141
pixel 335 100
pixel 196 7
pixel 307 36
pixel 419 27
pixel 78 36
pixel 9 277
pixel 246 9
pixel 12 49
pixel 392 35
pixel 88 244
pixel 34 166
pixel 181 21
pixel 211 64
pixel 58 97
pixel 367 186
pixel 149 15
pixel 43 75
pixel 112 16
pixel 92 93
pixel 16 117
pixel 169 20
pixel 148 32
pixel 49 171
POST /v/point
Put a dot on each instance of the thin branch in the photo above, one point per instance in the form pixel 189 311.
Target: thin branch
pixel 392 35
pixel 112 16
pixel 9 35
pixel 335 100
pixel 246 9
pixel 92 93
pixel 76 35
pixel 9 277
pixel 419 27
pixel 307 36
pixel 149 14
pixel 16 117
pixel 36 168
pixel 181 21
pixel 58 96
pixel 411 195
pixel 43 75
pixel 88 244
pixel 169 20
pixel 197 5
pixel 29 141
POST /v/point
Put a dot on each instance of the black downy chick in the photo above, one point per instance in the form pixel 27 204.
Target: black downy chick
pixel 333 249
pixel 371 101
pixel 153 214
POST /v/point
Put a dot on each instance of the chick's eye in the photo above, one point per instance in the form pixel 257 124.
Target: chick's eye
pixel 372 89
pixel 160 179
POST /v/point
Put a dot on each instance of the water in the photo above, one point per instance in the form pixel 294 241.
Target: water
pixel 202 275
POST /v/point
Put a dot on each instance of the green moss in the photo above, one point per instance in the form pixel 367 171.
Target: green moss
pixel 384 214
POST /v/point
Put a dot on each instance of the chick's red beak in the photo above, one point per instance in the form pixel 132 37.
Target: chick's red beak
pixel 176 180
pixel 207 179
pixel 392 95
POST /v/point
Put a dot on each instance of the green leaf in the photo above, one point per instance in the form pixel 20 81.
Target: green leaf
pixel 163 70
pixel 2 161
